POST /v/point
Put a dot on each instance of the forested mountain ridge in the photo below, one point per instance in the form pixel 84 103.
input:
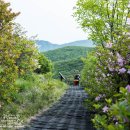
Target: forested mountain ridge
pixel 44 46
pixel 67 53
pixel 67 60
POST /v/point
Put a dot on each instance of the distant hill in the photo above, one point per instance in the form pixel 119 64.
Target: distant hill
pixel 67 60
pixel 67 53
pixel 46 46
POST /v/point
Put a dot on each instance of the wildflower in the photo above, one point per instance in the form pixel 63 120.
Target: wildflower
pixel 99 54
pixel 111 69
pixel 122 70
pixel 129 5
pixel 128 88
pixel 108 75
pixel 116 123
pixel 105 109
pixel 128 71
pixel 118 56
pixel 120 61
pixel 128 21
pixel 104 76
pixel 109 45
pixel 100 96
pixel 97 98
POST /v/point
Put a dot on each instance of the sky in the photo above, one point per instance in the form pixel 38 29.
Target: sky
pixel 51 20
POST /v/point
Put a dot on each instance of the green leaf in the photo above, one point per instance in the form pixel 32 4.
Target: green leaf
pixel 108 101
pixel 97 106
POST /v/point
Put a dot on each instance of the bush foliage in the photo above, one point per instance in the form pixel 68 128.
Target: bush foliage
pixel 106 72
pixel 22 91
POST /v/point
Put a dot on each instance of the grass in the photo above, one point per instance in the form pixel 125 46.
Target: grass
pixel 33 94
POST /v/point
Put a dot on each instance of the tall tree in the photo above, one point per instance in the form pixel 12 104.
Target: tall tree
pixel 8 54
pixel 27 60
pixel 104 20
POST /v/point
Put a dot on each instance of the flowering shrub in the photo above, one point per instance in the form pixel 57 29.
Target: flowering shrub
pixel 106 74
pixel 106 77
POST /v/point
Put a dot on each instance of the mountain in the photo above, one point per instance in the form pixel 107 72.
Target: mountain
pixel 46 46
pixel 67 53
pixel 84 43
pixel 67 60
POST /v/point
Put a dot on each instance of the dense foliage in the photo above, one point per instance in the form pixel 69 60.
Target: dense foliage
pixel 45 65
pixel 106 73
pixel 8 55
pixel 68 68
pixel 104 20
pixel 22 91
pixel 67 60
pixel 67 53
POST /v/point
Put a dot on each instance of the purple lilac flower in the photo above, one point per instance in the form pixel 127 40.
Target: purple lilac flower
pixel 105 109
pixel 122 70
pixel 118 56
pixel 128 88
pixel 120 61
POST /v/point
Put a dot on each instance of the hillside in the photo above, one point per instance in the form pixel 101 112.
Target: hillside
pixel 68 68
pixel 67 53
pixel 46 46
pixel 67 60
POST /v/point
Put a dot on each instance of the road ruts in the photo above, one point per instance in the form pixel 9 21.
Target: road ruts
pixel 67 114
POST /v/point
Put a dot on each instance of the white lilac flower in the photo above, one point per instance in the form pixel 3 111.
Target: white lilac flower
pixel 97 98
pixel 108 75
pixel 109 45
pixel 111 69
pixel 128 71
pixel 128 21
pixel 105 109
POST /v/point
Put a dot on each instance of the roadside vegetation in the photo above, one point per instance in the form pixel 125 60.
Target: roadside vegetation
pixel 26 83
pixel 68 61
pixel 106 72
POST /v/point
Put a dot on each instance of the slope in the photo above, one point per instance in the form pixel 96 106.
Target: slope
pixel 67 53
pixel 67 60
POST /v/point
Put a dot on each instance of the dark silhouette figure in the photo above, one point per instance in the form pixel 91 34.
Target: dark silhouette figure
pixel 76 80
pixel 61 77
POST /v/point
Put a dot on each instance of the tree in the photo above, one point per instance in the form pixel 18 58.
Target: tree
pixel 45 65
pixel 28 53
pixel 106 73
pixel 104 20
pixel 18 54
pixel 8 54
